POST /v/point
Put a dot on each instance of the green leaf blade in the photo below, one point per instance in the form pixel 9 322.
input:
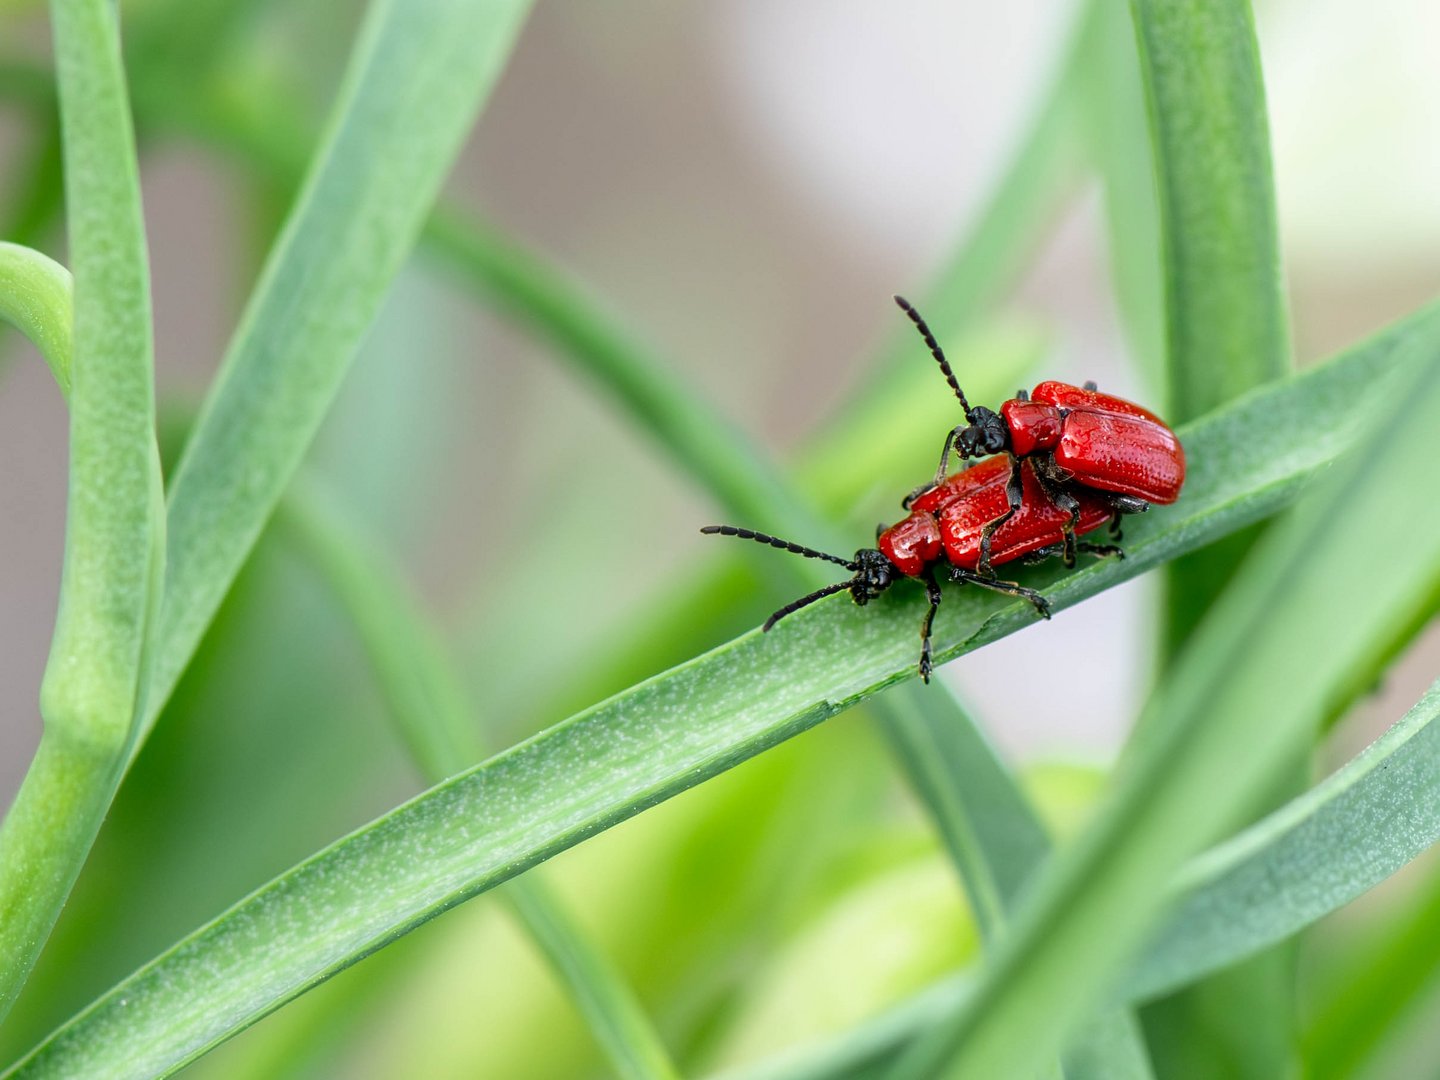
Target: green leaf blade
pixel 419 74
pixel 1311 857
pixel 626 754
pixel 1229 327
pixel 1305 860
pixel 1227 321
pixel 110 537
pixel 427 702
pixel 1244 700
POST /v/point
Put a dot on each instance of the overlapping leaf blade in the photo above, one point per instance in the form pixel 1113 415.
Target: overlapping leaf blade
pixel 659 738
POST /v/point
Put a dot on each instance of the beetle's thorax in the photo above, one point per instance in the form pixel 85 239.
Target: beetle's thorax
pixel 986 433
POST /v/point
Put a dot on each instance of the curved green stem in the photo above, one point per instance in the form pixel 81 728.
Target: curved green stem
pixel 37 298
pixel 95 681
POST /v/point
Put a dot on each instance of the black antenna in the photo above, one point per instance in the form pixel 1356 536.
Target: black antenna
pixel 796 605
pixel 936 352
pixel 796 549
pixel 783 545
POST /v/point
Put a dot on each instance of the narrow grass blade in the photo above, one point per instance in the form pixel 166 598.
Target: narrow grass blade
pixel 1226 314
pixel 114 538
pixel 1118 144
pixel 661 737
pixel 427 701
pixel 418 75
pixel 615 1016
pixel 996 841
pixel 994 836
pixel 1373 996
pixel 1224 294
pixel 1311 857
pixel 1242 702
pixel 1228 331
pixel 703 442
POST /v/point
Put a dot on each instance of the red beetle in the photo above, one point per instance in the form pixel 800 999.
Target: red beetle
pixel 947 521
pixel 1078 440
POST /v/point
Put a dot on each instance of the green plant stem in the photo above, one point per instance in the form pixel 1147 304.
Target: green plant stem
pixel 1228 324
pixel 1118 138
pixel 1226 315
pixel 998 844
pixel 1227 332
pixel 674 731
pixel 427 701
pixel 96 676
pixel 37 298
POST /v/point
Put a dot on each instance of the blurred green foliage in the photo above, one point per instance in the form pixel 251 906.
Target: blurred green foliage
pixel 783 903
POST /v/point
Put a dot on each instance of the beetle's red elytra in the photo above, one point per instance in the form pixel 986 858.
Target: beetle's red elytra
pixel 1078 439
pixel 1101 440
pixel 1056 464
pixel 944 526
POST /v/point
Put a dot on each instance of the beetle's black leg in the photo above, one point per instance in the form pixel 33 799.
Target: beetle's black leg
pixel 1124 504
pixel 1128 504
pixel 1040 555
pixel 1045 554
pixel 940 473
pixel 1014 495
pixel 1090 384
pixel 1022 394
pixel 1042 606
pixel 1052 481
pixel 932 593
pixel 880 528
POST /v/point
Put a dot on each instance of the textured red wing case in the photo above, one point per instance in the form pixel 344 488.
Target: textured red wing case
pixel 1037 524
pixel 1077 397
pixel 1128 454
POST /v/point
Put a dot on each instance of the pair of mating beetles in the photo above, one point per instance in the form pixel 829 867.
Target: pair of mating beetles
pixel 1059 463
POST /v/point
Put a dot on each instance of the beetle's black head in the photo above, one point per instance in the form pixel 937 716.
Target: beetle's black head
pixel 874 573
pixel 986 433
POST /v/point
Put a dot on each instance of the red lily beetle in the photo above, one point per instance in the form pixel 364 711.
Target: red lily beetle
pixel 1077 438
pixel 947 521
